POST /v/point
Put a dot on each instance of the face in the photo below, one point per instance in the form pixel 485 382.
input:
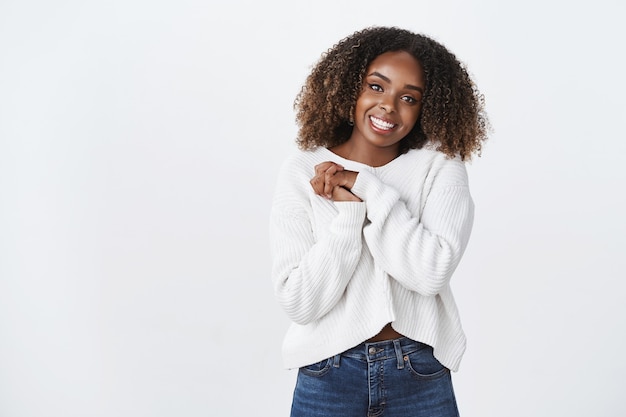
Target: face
pixel 390 102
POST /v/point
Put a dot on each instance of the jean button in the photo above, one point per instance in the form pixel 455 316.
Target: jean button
pixel 372 350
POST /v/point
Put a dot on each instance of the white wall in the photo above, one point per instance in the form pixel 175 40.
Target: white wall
pixel 139 143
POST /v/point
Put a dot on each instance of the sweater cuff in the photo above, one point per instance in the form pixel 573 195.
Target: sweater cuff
pixel 360 184
pixel 350 218
pixel 379 198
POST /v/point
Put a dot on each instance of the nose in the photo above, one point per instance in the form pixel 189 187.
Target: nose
pixel 386 104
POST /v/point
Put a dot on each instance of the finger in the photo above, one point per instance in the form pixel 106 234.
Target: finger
pixel 341 194
pixel 329 180
pixel 317 182
pixel 322 167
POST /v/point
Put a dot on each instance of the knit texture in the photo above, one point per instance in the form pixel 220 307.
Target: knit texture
pixel 343 270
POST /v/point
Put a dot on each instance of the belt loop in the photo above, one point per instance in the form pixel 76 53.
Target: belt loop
pixel 399 356
pixel 337 360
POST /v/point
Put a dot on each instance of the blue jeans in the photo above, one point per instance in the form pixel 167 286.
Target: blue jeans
pixel 392 378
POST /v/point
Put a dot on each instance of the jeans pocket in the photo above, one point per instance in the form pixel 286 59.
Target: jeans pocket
pixel 422 364
pixel 317 369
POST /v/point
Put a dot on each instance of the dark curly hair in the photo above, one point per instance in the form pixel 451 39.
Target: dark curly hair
pixel 452 113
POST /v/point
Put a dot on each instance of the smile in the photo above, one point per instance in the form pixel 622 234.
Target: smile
pixel 381 124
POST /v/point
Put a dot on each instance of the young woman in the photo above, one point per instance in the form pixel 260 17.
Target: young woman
pixel 370 218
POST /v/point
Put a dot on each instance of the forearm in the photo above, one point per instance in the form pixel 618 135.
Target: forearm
pixel 420 251
pixel 310 274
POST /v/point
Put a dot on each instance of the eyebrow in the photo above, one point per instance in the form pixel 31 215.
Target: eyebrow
pixel 409 86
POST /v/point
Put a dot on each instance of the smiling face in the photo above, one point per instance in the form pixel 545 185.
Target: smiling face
pixel 387 108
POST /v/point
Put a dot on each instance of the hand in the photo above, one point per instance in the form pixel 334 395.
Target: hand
pixel 341 194
pixel 332 181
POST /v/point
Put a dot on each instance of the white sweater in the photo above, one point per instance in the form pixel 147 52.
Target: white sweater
pixel 343 270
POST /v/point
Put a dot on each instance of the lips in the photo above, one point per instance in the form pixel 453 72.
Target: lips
pixel 381 124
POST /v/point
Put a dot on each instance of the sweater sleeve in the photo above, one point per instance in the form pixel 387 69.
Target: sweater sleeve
pixel 420 252
pixel 309 272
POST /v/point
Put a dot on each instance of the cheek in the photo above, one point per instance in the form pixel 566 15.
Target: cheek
pixel 412 117
pixel 363 103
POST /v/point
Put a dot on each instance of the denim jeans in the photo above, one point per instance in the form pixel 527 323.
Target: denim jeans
pixel 392 378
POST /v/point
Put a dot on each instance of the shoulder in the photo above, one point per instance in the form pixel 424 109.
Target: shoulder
pixel 296 171
pixel 302 160
pixel 440 167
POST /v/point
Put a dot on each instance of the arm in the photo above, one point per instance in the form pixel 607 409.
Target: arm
pixel 310 273
pixel 420 252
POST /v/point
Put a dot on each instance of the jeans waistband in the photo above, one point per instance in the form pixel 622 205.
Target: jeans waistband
pixel 383 350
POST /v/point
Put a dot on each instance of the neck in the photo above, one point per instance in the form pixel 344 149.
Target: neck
pixel 367 154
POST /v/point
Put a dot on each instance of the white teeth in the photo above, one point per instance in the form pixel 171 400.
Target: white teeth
pixel 381 124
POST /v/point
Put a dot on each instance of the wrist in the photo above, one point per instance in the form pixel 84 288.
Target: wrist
pixel 350 179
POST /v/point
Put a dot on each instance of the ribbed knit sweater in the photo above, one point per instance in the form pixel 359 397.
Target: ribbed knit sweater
pixel 343 270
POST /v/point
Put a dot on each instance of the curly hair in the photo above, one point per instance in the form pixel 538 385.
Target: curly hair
pixel 452 114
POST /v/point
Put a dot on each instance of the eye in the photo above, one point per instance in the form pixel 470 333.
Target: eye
pixel 375 87
pixel 410 100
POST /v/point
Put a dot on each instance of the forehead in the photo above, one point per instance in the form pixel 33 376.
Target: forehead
pixel 399 65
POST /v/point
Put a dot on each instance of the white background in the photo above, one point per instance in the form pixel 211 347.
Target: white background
pixel 139 144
